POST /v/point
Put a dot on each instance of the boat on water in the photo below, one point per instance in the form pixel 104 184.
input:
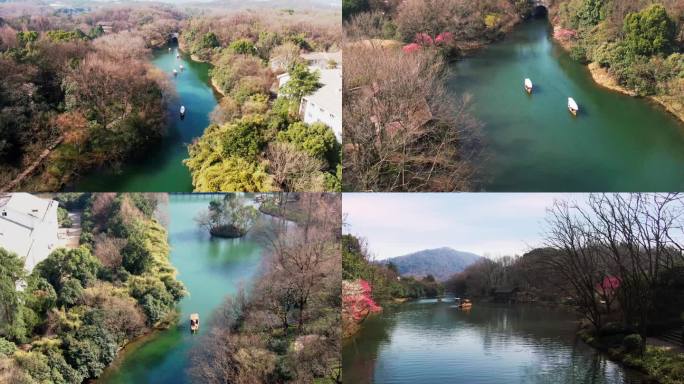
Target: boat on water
pixel 528 86
pixel 182 111
pixel 175 72
pixel 181 67
pixel 465 304
pixel 572 106
pixel 194 322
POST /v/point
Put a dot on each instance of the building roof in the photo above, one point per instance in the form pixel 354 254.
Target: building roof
pixel 329 96
pixel 20 215
pixel 24 209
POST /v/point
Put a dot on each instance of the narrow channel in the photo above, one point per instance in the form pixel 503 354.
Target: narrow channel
pixel 211 269
pixel 429 342
pixel 616 143
pixel 161 169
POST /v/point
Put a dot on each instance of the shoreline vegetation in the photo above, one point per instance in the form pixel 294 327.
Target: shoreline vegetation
pixel 60 72
pixel 83 306
pixel 285 326
pixel 257 140
pixel 593 262
pixel 60 118
pixel 405 37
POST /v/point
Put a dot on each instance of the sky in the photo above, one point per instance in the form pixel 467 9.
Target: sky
pixel 487 224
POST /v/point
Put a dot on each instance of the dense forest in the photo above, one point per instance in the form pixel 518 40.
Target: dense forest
pixel 79 93
pixel 257 142
pixel 285 327
pixel 81 305
pixel 75 95
pixel 637 43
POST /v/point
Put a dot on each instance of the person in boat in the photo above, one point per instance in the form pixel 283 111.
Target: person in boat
pixel 194 322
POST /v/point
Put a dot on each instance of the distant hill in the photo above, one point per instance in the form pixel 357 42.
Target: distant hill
pixel 441 263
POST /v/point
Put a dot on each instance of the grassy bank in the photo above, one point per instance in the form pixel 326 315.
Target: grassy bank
pixel 660 364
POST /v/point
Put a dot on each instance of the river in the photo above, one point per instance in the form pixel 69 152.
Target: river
pixel 161 169
pixel 616 143
pixel 210 268
pixel 435 342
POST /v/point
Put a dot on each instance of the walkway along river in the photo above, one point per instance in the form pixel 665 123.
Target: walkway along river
pixel 435 342
pixel 616 143
pixel 161 169
pixel 210 269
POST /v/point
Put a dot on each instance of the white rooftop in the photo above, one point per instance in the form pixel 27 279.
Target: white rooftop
pixel 329 96
pixel 28 226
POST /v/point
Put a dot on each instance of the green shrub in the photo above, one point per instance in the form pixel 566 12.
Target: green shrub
pixel 70 293
pixel 63 218
pixel 633 343
pixel 210 40
pixel 317 140
pixel 649 32
pixel 7 347
pixel 243 47
pixel 136 258
pixel 77 263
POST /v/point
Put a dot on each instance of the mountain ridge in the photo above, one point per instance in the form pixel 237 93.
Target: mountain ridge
pixel 442 262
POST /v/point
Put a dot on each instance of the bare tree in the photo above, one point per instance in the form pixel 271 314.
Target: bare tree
pixel 635 238
pixel 294 170
pixel 403 131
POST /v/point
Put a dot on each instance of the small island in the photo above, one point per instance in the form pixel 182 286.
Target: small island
pixel 229 218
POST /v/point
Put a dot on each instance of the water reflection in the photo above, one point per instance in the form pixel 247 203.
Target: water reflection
pixel 434 342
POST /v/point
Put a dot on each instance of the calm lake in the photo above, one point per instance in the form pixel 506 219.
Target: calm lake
pixel 435 342
pixel 210 269
pixel 616 143
pixel 161 169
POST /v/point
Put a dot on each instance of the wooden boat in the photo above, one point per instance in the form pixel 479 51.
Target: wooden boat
pixel 572 106
pixel 175 72
pixel 182 110
pixel 465 304
pixel 194 322
pixel 181 67
pixel 528 86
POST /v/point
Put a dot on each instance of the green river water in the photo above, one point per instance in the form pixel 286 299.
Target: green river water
pixel 432 342
pixel 161 169
pixel 616 143
pixel 210 269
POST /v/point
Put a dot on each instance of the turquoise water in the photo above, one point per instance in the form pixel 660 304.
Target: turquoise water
pixel 161 169
pixel 616 143
pixel 210 269
pixel 431 342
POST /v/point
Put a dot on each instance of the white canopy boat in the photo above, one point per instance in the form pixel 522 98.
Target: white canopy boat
pixel 182 110
pixel 181 67
pixel 175 72
pixel 572 106
pixel 528 86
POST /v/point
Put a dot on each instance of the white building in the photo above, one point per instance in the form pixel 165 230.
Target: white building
pixel 28 227
pixel 324 105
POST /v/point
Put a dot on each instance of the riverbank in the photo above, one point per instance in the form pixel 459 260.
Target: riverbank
pixel 660 364
pixel 601 77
